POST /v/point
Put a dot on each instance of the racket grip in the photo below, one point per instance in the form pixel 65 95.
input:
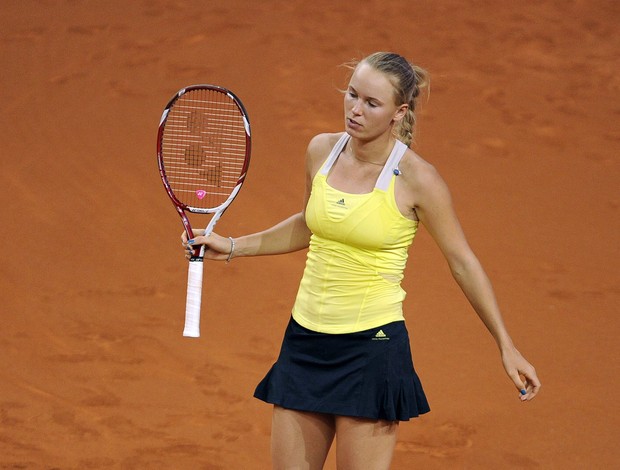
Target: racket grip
pixel 194 299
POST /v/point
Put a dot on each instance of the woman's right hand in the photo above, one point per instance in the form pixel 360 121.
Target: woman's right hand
pixel 216 247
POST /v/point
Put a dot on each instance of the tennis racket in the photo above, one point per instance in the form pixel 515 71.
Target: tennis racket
pixel 203 153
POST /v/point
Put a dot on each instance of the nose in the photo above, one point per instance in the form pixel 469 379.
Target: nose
pixel 356 108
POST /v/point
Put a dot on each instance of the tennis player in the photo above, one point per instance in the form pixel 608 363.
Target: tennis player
pixel 345 368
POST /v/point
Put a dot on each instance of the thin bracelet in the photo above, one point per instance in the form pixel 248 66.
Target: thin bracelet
pixel 232 249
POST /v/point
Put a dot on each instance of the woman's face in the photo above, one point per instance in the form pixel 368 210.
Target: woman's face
pixel 369 107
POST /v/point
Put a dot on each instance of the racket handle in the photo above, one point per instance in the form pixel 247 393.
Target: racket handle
pixel 194 298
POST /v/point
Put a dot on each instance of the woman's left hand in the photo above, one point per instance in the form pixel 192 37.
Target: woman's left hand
pixel 522 373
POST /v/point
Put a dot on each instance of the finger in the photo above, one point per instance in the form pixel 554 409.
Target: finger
pixel 525 395
pixel 526 390
pixel 197 240
pixel 532 387
pixel 516 379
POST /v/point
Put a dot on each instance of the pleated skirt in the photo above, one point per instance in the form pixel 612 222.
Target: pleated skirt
pixel 367 374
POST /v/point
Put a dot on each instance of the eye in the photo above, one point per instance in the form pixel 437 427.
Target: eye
pixel 372 104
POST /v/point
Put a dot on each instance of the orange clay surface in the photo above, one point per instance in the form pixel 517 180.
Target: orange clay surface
pixel 522 122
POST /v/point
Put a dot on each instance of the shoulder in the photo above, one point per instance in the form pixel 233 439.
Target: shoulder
pixel 323 143
pixel 421 178
pixel 319 148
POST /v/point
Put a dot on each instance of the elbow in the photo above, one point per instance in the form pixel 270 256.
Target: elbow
pixel 462 266
pixel 458 272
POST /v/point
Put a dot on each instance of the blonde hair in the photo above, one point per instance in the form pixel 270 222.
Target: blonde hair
pixel 408 80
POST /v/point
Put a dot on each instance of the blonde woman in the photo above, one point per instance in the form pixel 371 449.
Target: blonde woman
pixel 345 367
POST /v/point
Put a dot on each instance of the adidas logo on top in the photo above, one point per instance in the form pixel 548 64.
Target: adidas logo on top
pixel 341 202
pixel 380 335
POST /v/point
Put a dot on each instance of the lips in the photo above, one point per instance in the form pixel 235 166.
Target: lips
pixel 354 124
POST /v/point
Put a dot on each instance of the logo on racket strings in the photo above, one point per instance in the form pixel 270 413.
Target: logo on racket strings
pixel 201 193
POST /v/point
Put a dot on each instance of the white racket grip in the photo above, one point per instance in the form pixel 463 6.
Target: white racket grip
pixel 194 298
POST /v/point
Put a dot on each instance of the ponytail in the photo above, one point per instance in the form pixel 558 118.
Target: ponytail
pixel 409 81
pixel 405 130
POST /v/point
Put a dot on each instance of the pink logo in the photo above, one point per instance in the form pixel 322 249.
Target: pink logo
pixel 201 193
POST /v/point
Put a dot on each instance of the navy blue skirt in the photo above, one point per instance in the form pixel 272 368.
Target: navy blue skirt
pixel 367 374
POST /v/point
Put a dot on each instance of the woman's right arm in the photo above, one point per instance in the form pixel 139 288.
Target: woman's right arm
pixel 290 235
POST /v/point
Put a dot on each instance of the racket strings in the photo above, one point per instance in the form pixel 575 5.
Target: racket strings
pixel 204 147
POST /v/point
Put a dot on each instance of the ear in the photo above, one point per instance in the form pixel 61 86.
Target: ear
pixel 400 112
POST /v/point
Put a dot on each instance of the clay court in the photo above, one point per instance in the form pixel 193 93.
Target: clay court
pixel 522 122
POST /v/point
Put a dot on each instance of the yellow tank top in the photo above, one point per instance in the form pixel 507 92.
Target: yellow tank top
pixel 358 251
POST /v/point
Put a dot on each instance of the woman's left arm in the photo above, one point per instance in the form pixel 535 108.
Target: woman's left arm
pixel 435 210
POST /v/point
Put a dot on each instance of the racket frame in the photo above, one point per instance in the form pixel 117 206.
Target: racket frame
pixel 192 325
pixel 180 206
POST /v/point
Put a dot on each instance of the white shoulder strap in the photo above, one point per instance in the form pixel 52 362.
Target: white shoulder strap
pixel 391 166
pixel 333 155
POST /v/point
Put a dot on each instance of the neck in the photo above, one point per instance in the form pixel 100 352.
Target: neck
pixel 367 161
pixel 374 152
